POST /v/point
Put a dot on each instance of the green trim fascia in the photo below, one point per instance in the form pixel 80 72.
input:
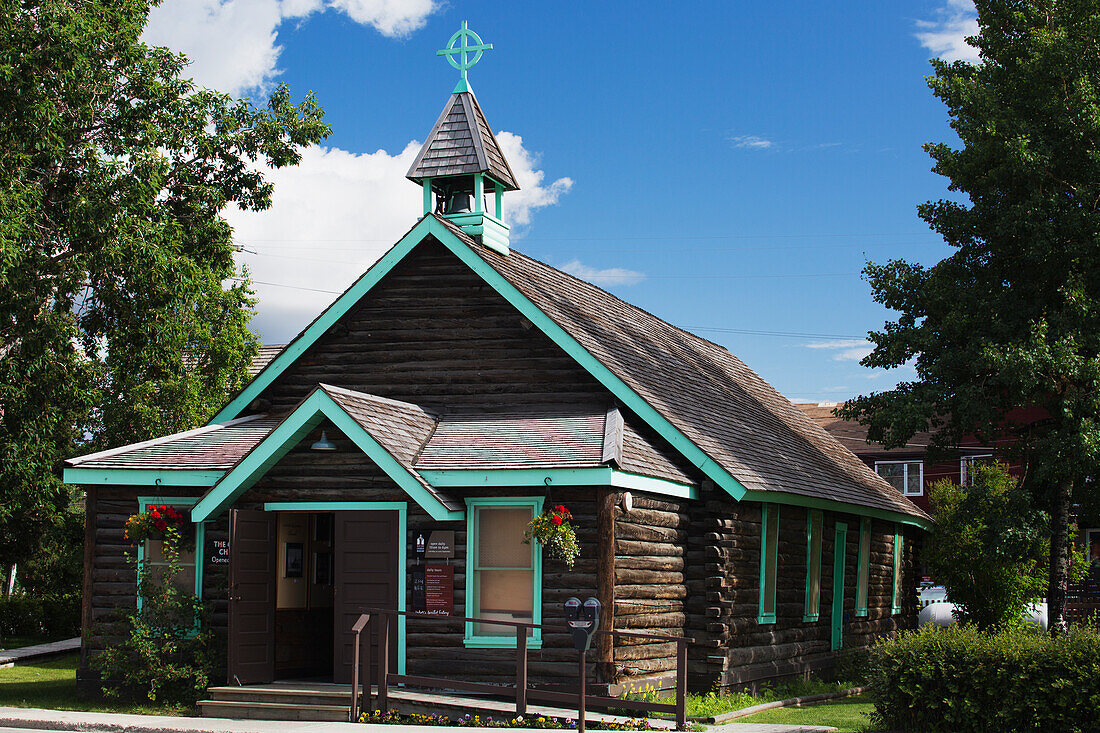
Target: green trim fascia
pixel 807 614
pixel 895 607
pixel 768 513
pixel 863 570
pixel 200 539
pixel 141 477
pixel 328 317
pixel 840 540
pixel 308 415
pixel 403 546
pixel 603 476
pixel 811 502
pixel 470 640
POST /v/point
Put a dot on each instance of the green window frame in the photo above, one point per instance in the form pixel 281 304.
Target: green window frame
pixel 863 568
pixel 200 536
pixel 895 603
pixel 769 560
pixel 506 637
pixel 814 527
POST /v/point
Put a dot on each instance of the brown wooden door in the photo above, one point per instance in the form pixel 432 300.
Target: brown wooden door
pixel 251 596
pixel 366 576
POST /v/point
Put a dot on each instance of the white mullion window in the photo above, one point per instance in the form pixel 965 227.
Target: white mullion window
pixel 966 462
pixel 905 476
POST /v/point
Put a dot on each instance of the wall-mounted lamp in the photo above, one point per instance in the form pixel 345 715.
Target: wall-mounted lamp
pixel 324 444
pixel 627 502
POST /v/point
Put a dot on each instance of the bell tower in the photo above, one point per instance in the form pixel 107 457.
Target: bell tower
pixel 461 168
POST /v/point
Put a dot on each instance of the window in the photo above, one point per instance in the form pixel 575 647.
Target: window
pixel 813 566
pixel 895 605
pixel 965 474
pixel 1092 548
pixel 769 558
pixel 864 568
pixel 151 552
pixel 505 575
pixel 905 476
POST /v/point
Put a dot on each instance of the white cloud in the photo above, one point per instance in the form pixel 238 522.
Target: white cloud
pixel 233 44
pixel 844 349
pixel 606 277
pixel 335 213
pixel 751 142
pixel 946 36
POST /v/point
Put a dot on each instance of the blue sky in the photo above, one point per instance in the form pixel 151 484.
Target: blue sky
pixel 728 166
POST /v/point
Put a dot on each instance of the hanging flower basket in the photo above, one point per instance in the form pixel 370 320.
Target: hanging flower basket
pixel 161 522
pixel 553 530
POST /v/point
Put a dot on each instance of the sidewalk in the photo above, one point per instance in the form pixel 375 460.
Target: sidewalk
pixel 22 655
pixel 60 720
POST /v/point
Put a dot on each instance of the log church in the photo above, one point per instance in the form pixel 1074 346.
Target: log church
pixel 393 454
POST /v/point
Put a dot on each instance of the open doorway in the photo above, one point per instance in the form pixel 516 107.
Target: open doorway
pixel 304 596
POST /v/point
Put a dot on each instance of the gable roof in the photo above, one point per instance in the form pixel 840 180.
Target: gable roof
pixel 263 357
pixel 462 142
pixel 717 412
pixel 853 436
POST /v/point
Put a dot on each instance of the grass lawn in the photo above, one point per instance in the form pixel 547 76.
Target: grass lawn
pixel 713 704
pixel 849 715
pixel 52 684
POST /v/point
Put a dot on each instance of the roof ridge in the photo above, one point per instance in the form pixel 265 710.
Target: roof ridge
pixel 378 398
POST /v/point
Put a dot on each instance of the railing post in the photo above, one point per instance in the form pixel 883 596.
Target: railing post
pixel 580 700
pixel 357 628
pixel 383 662
pixel 521 670
pixel 681 683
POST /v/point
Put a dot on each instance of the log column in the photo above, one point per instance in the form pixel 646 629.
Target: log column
pixel 605 582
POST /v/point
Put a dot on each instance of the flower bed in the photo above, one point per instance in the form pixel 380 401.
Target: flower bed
pixel 476 721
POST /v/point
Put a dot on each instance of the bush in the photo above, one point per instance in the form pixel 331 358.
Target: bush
pixel 962 679
pixel 45 616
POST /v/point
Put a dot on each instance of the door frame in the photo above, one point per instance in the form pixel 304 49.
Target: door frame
pixel 401 508
pixel 840 552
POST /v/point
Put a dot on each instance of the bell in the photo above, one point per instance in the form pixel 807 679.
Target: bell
pixel 458 202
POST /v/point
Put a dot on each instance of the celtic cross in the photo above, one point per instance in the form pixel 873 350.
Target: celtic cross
pixel 464 51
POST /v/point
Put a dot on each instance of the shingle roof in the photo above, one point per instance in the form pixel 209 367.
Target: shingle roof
pixel 853 436
pixel 739 420
pixel 214 448
pixel 462 142
pixel 263 357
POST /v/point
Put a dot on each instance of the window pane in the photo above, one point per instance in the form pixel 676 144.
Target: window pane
pixel 894 473
pixel 506 595
pixel 898 540
pixel 771 542
pixel 500 537
pixel 813 584
pixel 912 481
pixel 864 564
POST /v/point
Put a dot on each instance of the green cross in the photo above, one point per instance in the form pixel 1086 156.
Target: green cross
pixel 465 49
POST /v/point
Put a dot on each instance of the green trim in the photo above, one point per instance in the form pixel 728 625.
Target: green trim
pixel 604 476
pixel 141 477
pixel 863 568
pixel 769 513
pixel 500 642
pixel 401 508
pixel 308 415
pixel 811 502
pixel 895 578
pixel 840 550
pixel 325 321
pixel 200 538
pixel 812 607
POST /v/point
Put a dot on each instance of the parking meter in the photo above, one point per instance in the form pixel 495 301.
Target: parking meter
pixel 583 620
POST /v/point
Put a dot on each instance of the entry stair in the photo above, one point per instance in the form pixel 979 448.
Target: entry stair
pixel 318 701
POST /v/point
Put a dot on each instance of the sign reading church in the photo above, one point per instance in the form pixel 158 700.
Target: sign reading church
pixel 453 392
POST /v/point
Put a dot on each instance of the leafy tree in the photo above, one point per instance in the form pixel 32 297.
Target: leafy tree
pixel 1011 319
pixel 122 313
pixel 988 547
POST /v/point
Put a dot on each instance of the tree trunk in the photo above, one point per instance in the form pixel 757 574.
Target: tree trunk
pixel 1059 558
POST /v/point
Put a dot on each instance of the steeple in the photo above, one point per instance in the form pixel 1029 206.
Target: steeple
pixel 461 161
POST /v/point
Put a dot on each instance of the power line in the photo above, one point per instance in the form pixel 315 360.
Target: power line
pixel 788 334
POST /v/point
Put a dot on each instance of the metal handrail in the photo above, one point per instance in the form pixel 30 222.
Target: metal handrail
pixel 522 693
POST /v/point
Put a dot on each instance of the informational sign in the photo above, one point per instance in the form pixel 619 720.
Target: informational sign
pixel 217 552
pixel 441 545
pixel 439 590
pixel 418 588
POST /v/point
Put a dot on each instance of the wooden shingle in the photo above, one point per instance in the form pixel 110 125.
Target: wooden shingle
pixel 460 143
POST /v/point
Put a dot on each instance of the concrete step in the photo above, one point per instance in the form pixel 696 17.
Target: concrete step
pixel 251 710
pixel 285 695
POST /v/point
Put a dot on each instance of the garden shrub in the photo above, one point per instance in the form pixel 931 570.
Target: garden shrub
pixel 962 679
pixel 45 616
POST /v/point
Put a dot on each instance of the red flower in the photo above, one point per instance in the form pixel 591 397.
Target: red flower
pixel 163 507
pixel 556 520
pixel 160 525
pixel 560 508
pixel 154 514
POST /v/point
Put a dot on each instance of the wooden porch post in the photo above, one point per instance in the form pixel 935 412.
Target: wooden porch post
pixel 606 500
pixel 89 563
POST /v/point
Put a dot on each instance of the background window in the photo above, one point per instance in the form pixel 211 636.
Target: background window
pixel 506 576
pixel 813 566
pixel 898 540
pixel 769 558
pixel 905 476
pixel 965 475
pixel 864 567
